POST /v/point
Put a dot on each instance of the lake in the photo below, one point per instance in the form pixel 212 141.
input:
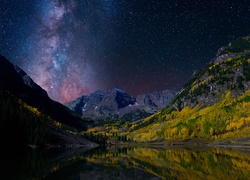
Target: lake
pixel 127 163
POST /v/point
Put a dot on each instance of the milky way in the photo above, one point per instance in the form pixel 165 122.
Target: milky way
pixel 74 47
pixel 59 63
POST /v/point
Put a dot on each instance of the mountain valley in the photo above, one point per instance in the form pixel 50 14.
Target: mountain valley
pixel 214 106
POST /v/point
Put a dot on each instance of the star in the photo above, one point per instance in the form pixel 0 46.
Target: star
pixel 73 48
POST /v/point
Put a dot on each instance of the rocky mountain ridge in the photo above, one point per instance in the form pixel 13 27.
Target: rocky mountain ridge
pixel 117 104
pixel 229 70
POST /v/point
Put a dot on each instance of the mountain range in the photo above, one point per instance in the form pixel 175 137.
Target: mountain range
pixel 213 106
pixel 117 104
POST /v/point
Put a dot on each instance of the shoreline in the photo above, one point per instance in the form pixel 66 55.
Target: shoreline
pixel 191 143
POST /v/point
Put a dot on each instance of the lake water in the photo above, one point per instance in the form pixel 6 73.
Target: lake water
pixel 127 163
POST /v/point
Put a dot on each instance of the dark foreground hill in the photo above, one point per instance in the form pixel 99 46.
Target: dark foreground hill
pixel 29 117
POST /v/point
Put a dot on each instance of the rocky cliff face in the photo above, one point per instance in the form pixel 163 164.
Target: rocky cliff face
pixel 117 104
pixel 155 101
pixel 112 101
pixel 229 70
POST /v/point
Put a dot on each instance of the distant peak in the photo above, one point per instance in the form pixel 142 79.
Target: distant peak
pixel 119 90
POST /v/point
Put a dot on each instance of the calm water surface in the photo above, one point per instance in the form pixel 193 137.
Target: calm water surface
pixel 127 163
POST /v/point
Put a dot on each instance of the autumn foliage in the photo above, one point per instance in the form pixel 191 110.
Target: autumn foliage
pixel 229 118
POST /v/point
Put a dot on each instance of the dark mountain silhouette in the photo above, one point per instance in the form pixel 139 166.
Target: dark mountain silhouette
pixel 30 116
pixel 18 83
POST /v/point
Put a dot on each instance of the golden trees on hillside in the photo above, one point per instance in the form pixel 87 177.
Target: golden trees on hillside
pixel 229 118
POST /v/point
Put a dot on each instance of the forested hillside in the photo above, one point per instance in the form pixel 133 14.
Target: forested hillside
pixel 213 105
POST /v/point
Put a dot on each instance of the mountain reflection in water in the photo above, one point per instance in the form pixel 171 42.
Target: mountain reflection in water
pixel 128 163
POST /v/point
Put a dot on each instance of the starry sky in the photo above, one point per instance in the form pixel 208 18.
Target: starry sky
pixel 74 47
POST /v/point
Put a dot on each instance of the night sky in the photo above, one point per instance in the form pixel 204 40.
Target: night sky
pixel 74 47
